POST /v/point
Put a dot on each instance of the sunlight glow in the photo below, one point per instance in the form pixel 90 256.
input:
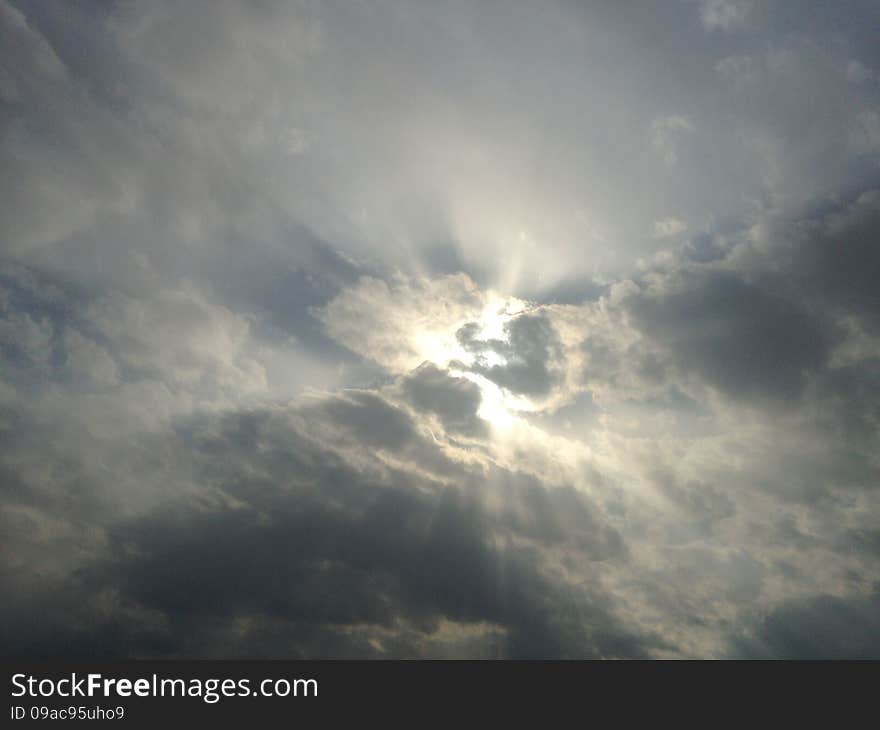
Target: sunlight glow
pixel 498 406
pixel 496 314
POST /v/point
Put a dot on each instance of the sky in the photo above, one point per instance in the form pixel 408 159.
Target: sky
pixel 386 329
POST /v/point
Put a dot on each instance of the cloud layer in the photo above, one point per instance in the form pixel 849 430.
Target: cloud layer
pixel 439 331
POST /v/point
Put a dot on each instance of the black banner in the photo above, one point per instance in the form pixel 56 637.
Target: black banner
pixel 293 691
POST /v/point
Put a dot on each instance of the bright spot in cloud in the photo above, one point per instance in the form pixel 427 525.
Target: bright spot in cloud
pixel 498 406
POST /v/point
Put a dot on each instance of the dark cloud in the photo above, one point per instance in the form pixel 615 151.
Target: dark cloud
pixel 299 540
pixel 816 627
pixel 742 339
pixel 531 354
pixel 704 248
pixel 835 260
pixel 455 401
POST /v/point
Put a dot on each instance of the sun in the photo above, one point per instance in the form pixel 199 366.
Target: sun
pixel 498 406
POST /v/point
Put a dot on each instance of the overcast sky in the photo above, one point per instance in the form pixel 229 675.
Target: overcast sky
pixel 440 329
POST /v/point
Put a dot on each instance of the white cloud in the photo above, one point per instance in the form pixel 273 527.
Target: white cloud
pixel 666 133
pixel 402 324
pixel 739 69
pixel 857 73
pixel 667 227
pixel 725 15
pixel 179 338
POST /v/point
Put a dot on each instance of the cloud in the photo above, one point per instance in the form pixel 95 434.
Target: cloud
pixel 725 15
pixel 666 227
pixel 402 324
pixel 865 134
pixel 857 73
pixel 527 358
pixel 741 339
pixel 380 538
pixel 454 400
pixel 739 69
pixel 377 328
pixel 665 133
pixel 821 627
